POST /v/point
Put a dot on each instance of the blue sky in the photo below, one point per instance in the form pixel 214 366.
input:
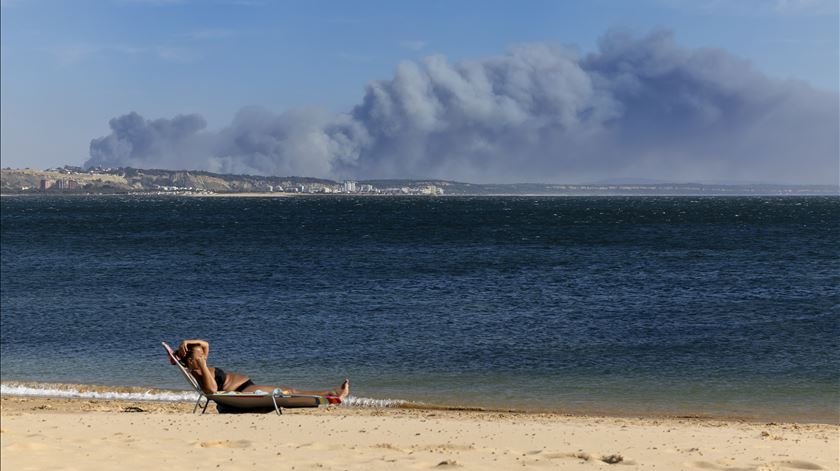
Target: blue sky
pixel 69 67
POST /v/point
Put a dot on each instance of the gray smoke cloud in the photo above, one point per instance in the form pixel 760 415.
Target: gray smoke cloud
pixel 638 107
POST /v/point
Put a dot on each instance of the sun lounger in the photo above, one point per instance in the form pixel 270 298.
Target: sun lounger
pixel 257 401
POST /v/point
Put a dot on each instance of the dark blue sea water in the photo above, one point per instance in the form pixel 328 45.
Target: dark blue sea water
pixel 607 304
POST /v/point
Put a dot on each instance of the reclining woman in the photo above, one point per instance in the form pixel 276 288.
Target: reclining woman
pixel 193 355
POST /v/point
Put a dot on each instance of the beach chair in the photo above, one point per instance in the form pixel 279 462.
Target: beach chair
pixel 233 402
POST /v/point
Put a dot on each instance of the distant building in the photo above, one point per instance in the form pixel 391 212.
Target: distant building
pixel 67 184
pixel 62 184
pixel 349 186
pixel 431 190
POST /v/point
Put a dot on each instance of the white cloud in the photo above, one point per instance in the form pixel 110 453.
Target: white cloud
pixel 539 112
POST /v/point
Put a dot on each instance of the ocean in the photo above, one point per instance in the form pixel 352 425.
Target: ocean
pixel 610 305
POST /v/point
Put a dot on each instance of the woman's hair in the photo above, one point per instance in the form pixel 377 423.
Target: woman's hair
pixel 186 358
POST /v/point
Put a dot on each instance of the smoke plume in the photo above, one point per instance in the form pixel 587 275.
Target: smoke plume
pixel 638 107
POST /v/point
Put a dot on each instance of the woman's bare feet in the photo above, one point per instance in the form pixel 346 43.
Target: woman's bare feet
pixel 344 390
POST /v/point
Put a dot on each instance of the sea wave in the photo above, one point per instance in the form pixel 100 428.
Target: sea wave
pixel 77 393
pixel 353 401
pixel 140 394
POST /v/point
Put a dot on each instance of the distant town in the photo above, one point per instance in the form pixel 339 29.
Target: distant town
pixel 70 179
pixel 77 180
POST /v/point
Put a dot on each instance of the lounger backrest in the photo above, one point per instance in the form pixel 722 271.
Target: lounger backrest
pixel 190 378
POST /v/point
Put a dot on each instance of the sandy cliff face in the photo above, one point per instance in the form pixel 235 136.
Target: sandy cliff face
pixel 17 181
pixel 25 181
pixel 125 180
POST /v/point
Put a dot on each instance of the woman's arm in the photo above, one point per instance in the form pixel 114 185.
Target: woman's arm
pixel 185 345
pixel 208 380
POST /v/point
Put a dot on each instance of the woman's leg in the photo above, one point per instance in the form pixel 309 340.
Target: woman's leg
pixel 342 391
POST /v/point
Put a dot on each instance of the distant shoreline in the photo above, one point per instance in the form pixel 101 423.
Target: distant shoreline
pixel 124 181
pixel 147 394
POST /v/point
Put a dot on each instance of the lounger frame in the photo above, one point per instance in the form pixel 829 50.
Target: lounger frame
pixel 278 399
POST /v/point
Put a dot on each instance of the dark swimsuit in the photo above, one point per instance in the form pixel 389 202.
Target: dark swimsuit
pixel 244 385
pixel 220 376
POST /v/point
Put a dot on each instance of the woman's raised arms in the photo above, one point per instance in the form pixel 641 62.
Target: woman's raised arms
pixel 185 345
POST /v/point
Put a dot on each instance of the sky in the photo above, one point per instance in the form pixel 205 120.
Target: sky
pixel 482 91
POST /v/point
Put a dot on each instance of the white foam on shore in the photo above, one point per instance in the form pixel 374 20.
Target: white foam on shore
pixel 158 395
pixel 353 401
pixel 150 395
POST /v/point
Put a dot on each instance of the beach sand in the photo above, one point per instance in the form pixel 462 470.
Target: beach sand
pixel 74 434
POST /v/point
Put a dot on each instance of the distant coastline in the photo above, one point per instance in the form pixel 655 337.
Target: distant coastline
pixel 75 180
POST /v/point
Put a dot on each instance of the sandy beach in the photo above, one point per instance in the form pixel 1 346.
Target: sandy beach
pixel 72 434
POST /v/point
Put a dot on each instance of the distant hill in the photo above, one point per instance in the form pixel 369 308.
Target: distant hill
pixel 132 180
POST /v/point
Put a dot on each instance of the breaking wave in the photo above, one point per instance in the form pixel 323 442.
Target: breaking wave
pixel 96 393
pixel 74 391
pixel 353 401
